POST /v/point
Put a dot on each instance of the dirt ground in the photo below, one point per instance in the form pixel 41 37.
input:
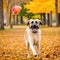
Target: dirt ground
pixel 12 45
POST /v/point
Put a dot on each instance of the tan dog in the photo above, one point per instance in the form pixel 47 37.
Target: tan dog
pixel 32 36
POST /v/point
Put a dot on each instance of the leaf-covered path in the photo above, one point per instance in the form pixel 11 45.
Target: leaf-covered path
pixel 12 45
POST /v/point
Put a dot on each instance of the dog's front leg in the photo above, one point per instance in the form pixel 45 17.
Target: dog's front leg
pixel 33 50
pixel 32 46
pixel 31 43
pixel 27 45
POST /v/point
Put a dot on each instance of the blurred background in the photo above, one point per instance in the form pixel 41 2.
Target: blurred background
pixel 46 10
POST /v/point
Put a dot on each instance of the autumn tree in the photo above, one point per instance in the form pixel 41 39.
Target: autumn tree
pixel 56 7
pixel 44 7
pixel 41 7
pixel 22 13
pixel 1 15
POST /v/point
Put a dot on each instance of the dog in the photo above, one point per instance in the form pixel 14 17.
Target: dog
pixel 32 37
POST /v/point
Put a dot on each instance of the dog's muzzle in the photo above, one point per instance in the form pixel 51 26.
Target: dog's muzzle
pixel 34 28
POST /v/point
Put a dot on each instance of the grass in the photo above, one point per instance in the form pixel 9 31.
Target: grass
pixel 12 45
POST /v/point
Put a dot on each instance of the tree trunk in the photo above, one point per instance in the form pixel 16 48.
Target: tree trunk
pixel 56 8
pixel 44 19
pixel 17 19
pixel 21 20
pixel 7 15
pixel 10 22
pixel 41 16
pixel 10 16
pixel 59 18
pixel 14 19
pixel 1 15
pixel 50 18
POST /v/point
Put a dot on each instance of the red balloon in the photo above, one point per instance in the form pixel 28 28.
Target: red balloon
pixel 16 9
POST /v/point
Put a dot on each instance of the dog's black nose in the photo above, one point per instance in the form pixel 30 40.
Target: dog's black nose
pixel 35 55
pixel 34 26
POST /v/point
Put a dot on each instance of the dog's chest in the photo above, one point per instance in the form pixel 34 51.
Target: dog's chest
pixel 35 39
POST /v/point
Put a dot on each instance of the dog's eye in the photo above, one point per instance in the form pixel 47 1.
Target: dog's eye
pixel 36 22
pixel 32 22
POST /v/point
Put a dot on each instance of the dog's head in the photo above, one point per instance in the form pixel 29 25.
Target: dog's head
pixel 34 24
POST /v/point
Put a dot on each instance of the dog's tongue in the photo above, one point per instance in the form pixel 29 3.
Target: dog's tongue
pixel 34 30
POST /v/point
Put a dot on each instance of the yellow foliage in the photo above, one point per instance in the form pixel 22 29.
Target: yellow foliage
pixel 59 6
pixel 42 6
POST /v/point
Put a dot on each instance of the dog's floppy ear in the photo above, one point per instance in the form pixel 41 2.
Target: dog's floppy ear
pixel 40 22
pixel 27 23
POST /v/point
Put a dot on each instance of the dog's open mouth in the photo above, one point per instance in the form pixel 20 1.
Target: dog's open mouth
pixel 34 30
